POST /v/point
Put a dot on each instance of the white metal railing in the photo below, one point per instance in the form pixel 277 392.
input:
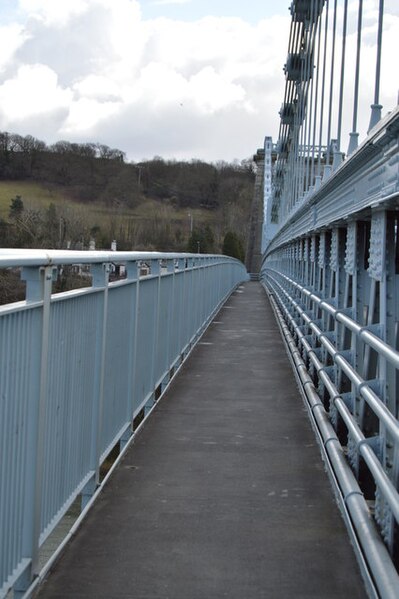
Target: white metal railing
pixel 77 367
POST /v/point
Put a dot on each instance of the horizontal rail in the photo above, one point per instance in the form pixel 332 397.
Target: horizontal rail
pixel 384 579
pixel 380 409
pixel 361 385
pixel 362 332
pixel 336 291
pixel 32 257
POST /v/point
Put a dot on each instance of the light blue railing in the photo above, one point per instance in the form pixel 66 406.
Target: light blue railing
pixel 332 270
pixel 77 367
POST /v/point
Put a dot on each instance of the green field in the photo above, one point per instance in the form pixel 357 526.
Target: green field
pixel 37 196
pixel 34 195
pixel 116 222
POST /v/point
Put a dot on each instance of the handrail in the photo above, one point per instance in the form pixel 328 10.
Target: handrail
pixel 10 257
pixel 335 290
pixel 76 370
pixel 380 575
pixel 392 355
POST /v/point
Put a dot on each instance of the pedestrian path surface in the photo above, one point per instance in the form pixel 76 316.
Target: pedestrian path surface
pixel 224 492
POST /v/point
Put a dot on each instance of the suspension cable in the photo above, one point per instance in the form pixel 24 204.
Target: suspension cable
pixel 341 89
pixel 316 105
pixel 331 84
pixel 376 107
pixel 354 134
pixel 323 86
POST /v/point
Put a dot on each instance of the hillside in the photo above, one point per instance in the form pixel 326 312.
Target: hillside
pixel 69 194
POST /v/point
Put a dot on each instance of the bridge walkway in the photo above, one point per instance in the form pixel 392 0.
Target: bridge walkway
pixel 224 493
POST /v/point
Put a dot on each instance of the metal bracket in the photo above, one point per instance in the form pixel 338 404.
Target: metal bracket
pixel 329 371
pixel 375 443
pixel 332 301
pixel 349 400
pixel 317 351
pixel 345 312
pixel 376 329
pixel 330 335
pixel 375 385
pixel 34 277
pixel 132 271
pixel 318 322
pixel 100 274
pixel 347 354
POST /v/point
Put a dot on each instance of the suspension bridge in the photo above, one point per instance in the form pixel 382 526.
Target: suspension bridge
pixel 208 435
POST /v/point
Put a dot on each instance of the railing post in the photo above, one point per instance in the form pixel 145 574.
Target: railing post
pixel 39 286
pixel 196 297
pixel 156 272
pixel 100 273
pixel 189 299
pixel 170 334
pixel 180 317
pixel 132 273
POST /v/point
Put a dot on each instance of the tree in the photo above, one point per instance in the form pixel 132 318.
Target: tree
pixel 16 208
pixel 5 233
pixel 122 189
pixel 232 246
pixel 201 241
pixel 12 289
pixel 52 229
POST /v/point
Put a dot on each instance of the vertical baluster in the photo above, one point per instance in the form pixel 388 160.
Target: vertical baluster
pixel 39 286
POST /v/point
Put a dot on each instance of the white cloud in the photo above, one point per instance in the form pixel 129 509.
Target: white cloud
pixel 34 91
pixel 54 13
pixel 11 38
pixel 213 92
pixel 168 2
pixel 97 86
pixel 85 114
pixel 211 88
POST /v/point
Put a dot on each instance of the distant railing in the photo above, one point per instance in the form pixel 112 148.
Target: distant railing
pixel 78 367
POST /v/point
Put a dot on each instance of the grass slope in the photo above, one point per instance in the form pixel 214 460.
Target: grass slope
pixel 37 196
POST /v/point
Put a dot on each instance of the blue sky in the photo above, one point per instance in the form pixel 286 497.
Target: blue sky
pixel 188 10
pixel 177 79
pixel 185 10
pixel 8 10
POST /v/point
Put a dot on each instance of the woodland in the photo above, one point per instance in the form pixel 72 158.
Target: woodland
pixel 87 195
pixel 154 204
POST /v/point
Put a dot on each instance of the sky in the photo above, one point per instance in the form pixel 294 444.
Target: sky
pixel 181 79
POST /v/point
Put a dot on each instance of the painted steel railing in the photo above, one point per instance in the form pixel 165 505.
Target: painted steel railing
pixel 331 267
pixel 332 271
pixel 77 367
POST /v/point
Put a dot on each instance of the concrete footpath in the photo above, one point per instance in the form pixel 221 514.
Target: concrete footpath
pixel 224 492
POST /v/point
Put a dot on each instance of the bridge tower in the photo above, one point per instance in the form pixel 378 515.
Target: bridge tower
pixel 253 256
pixel 270 221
